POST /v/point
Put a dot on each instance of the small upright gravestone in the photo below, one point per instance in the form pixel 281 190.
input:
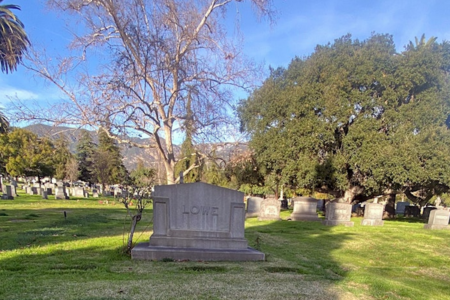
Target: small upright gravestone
pixel 438 219
pixel 13 190
pixel 373 214
pixel 269 210
pixel 197 221
pixel 8 193
pixel 79 192
pixel 60 193
pixel 253 206
pixel 305 209
pixel 338 214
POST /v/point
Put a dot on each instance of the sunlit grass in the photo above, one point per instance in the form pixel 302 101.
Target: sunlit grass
pixel 44 255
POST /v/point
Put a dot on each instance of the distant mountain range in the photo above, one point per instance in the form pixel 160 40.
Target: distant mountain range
pixel 131 155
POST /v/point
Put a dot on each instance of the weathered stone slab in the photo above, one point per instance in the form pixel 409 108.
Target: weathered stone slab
pixel 60 193
pixel 305 209
pixel 197 221
pixel 13 190
pixel 438 219
pixel 373 214
pixel 7 193
pixel 338 214
pixel 253 206
pixel 269 210
pixel 79 192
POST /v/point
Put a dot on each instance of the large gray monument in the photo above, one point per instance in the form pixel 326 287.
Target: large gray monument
pixel 305 209
pixel 197 221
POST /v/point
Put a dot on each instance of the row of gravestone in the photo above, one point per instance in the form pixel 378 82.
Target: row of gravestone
pixel 305 209
pixel 201 222
pixel 402 208
pixel 60 191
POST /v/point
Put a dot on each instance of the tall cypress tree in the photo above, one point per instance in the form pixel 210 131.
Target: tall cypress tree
pixel 85 150
pixel 61 156
pixel 117 173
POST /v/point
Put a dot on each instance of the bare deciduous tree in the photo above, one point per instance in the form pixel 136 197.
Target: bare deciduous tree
pixel 152 56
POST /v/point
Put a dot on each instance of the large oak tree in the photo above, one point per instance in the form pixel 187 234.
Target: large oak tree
pixel 357 119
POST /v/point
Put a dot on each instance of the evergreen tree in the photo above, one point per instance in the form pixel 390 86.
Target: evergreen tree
pixel 61 157
pixel 356 119
pixel 143 177
pixel 117 173
pixel 84 155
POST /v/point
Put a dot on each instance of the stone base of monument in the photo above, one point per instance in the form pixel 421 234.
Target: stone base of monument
pixel 144 251
pixel 336 223
pixel 6 197
pixel 372 222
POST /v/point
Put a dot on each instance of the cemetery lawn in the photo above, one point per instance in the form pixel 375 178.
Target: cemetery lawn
pixel 46 256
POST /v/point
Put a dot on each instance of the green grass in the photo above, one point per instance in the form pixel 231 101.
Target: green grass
pixel 46 256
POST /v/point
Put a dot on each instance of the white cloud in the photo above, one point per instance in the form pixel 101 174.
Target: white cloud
pixel 13 93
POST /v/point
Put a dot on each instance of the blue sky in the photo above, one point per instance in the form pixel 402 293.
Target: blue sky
pixel 300 26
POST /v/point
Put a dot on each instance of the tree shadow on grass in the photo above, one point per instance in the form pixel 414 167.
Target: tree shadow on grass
pixel 24 228
pixel 407 220
pixel 303 248
pixel 299 265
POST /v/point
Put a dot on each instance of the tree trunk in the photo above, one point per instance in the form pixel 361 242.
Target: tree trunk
pixel 135 219
pixel 389 209
pixel 352 192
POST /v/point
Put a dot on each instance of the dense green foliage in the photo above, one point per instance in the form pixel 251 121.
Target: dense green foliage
pixel 107 162
pixel 142 177
pixel 84 153
pixel 24 154
pixel 61 157
pixel 356 119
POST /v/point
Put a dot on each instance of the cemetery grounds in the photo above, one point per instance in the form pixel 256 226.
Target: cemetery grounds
pixel 44 255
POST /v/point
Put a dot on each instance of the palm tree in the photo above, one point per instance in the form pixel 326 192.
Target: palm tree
pixel 13 38
pixel 4 124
